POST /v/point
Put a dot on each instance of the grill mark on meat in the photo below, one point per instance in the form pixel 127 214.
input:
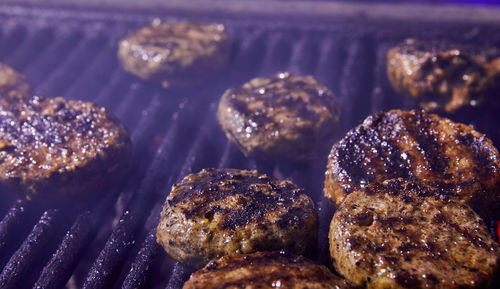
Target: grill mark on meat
pixel 284 278
pixel 445 76
pixel 482 154
pixel 51 143
pixel 393 158
pixel 432 241
pixel 253 187
pixel 264 270
pixel 363 219
pixel 283 257
pixel 435 189
pixel 406 279
pixel 173 52
pixel 281 117
pixel 294 216
pixel 370 144
pixel 418 146
pixel 351 156
pixel 422 129
pixel 391 222
pixel 442 219
pixel 217 212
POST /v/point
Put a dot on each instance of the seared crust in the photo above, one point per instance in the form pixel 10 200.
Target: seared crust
pixel 218 212
pixel 175 53
pixel 13 86
pixel 264 270
pixel 401 234
pixel 282 117
pixel 444 76
pixel 56 147
pixel 415 145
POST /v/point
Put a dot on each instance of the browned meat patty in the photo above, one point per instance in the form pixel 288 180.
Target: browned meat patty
pixel 61 148
pixel 175 53
pixel 219 212
pixel 282 117
pixel 13 86
pixel 445 76
pixel 401 234
pixel 264 270
pixel 415 145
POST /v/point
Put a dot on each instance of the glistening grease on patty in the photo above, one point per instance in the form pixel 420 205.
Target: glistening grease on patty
pixel 284 117
pixel 404 234
pixel 218 212
pixel 414 145
pixel 445 76
pixel 175 54
pixel 60 148
pixel 264 270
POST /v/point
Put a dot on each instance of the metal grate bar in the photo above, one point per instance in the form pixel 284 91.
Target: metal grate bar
pixel 10 220
pixel 304 58
pixel 356 81
pixel 325 214
pixel 142 263
pixel 58 270
pixel 331 61
pixel 12 37
pixel 122 237
pixel 138 269
pixel 96 77
pixel 130 107
pixel 53 57
pixel 35 44
pixel 149 118
pixel 9 228
pixel 113 253
pixel 24 258
pixel 231 157
pixel 277 54
pixel 249 55
pixel 62 78
pixel 179 275
pixel 383 97
pixel 84 228
pixel 199 151
pixel 119 83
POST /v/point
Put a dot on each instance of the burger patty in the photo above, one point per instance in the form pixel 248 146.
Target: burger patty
pixel 13 86
pixel 175 53
pixel 219 212
pixel 58 147
pixel 282 117
pixel 444 76
pixel 401 234
pixel 414 145
pixel 264 270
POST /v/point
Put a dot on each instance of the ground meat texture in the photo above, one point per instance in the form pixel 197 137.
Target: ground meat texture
pixel 415 145
pixel 399 234
pixel 175 54
pixel 13 86
pixel 219 212
pixel 60 148
pixel 282 117
pixel 264 270
pixel 445 76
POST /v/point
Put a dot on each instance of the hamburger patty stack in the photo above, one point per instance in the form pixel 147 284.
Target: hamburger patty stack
pixel 405 183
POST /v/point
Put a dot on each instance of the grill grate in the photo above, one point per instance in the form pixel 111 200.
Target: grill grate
pixel 111 243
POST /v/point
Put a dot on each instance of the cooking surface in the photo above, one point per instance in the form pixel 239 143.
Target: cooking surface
pixel 110 242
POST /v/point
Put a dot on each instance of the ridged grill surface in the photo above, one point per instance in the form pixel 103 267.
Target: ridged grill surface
pixel 110 242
